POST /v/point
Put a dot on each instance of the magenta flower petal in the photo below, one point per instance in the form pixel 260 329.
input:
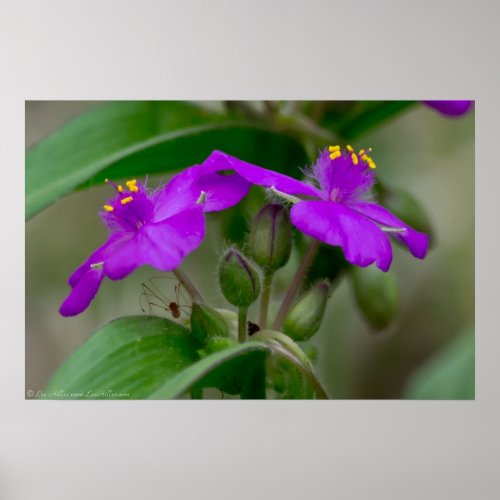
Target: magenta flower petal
pixel 222 190
pixel 261 176
pixel 162 245
pixel 95 257
pixel 83 292
pixel 450 108
pixel 361 240
pixel 416 242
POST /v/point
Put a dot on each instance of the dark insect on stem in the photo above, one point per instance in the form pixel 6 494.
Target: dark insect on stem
pixel 252 328
pixel 154 297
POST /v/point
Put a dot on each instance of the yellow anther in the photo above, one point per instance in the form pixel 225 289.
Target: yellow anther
pixel 335 155
pixel 106 180
pixel 371 164
pixel 332 149
pixel 132 185
pixel 365 157
pixel 120 188
pixel 349 148
pixel 108 208
pixel 361 152
pixel 354 158
pixel 126 200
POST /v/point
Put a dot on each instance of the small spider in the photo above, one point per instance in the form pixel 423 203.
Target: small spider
pixel 156 298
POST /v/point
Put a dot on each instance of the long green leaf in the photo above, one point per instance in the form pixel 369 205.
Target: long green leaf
pixel 123 139
pixel 223 369
pixel 126 359
pixel 449 374
pixel 239 369
pixel 371 115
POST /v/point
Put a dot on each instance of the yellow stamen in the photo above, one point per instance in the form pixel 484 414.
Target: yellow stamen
pixel 120 188
pixel 132 186
pixel 349 148
pixel 361 152
pixel 126 200
pixel 335 155
pixel 371 164
pixel 354 158
pixel 108 208
pixel 332 149
pixel 365 157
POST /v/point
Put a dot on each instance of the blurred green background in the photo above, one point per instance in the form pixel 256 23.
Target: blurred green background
pixel 421 354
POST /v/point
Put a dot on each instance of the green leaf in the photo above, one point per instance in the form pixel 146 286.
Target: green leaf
pixel 286 381
pixel 241 369
pixel 290 374
pixel 230 370
pixel 129 139
pixel 126 359
pixel 369 116
pixel 448 375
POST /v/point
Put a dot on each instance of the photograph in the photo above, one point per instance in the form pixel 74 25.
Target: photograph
pixel 251 249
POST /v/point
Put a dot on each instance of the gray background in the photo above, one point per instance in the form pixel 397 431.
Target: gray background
pixel 275 50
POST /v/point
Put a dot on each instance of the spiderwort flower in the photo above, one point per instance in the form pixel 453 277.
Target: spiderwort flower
pixel 158 228
pixel 450 108
pixel 334 207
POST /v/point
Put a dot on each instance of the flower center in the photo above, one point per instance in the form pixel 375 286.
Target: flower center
pixel 130 209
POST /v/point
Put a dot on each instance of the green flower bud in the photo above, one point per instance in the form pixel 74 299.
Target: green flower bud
pixel 376 294
pixel 304 318
pixel 270 241
pixel 207 323
pixel 238 279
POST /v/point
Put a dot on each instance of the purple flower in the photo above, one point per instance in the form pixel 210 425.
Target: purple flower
pixel 158 228
pixel 450 108
pixel 333 205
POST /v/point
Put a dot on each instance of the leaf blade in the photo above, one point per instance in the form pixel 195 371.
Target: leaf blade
pixel 126 359
pixel 130 138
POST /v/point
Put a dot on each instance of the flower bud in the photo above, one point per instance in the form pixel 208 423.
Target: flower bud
pixel 238 279
pixel 270 241
pixel 376 294
pixel 207 323
pixel 304 318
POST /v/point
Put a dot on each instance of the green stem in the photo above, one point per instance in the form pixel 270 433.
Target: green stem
pixel 264 299
pixel 294 286
pixel 188 285
pixel 242 324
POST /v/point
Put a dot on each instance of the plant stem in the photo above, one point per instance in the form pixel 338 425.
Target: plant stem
pixel 264 299
pixel 294 286
pixel 242 324
pixel 188 285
